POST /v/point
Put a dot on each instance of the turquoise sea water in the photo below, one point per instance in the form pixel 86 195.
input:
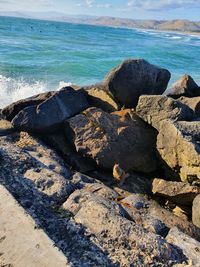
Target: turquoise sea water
pixel 36 56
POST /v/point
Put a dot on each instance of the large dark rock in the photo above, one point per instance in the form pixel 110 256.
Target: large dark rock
pixel 13 109
pixel 49 115
pixel 155 109
pixel 179 146
pixel 121 137
pixel 133 78
pixel 185 86
pixel 196 211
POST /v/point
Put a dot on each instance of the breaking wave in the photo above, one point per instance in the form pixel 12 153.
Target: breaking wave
pixel 12 89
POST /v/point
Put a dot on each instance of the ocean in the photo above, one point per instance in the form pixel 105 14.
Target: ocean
pixel 37 56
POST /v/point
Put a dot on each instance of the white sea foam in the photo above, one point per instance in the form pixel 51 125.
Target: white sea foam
pixel 14 89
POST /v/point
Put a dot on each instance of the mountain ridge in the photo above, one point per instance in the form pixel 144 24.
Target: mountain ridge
pixel 180 25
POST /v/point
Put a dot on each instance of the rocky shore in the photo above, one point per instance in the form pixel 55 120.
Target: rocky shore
pixel 109 172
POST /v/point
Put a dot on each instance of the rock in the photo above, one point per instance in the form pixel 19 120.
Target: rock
pixel 21 244
pixel 196 211
pixel 185 86
pixel 177 192
pixel 49 115
pixel 79 247
pixel 106 220
pixel 151 216
pixel 179 147
pixel 120 137
pixel 13 109
pixel 133 78
pixel 59 142
pixel 5 127
pixel 98 97
pixel 193 103
pixel 155 109
pixel 189 246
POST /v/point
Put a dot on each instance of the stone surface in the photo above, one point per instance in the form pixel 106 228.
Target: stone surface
pixel 13 109
pixel 120 137
pixel 155 109
pixel 17 157
pixel 185 86
pixel 50 114
pixel 154 218
pixel 5 127
pixel 196 211
pixel 193 103
pixel 106 219
pixel 179 147
pixel 133 78
pixel 189 246
pixel 97 97
pixel 21 244
pixel 59 142
pixel 178 192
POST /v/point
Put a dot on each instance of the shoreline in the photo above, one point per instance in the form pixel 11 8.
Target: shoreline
pixel 196 34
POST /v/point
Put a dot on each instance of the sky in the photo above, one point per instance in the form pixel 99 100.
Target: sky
pixel 135 9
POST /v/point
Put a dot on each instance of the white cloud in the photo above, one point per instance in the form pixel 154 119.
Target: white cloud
pixel 89 3
pixel 163 4
pixel 92 3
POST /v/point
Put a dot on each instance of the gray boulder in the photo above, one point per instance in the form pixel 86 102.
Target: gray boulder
pixel 189 246
pixel 154 218
pixel 13 109
pixel 122 238
pixel 49 115
pixel 121 137
pixel 178 192
pixel 196 211
pixel 155 109
pixel 185 86
pixel 179 147
pixel 133 78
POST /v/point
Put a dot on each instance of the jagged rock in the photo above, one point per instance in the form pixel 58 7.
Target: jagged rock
pixel 196 211
pixel 178 192
pixel 179 147
pixel 5 128
pixel 98 97
pixel 80 247
pixel 13 109
pixel 133 78
pixel 151 216
pixel 59 142
pixel 155 109
pixel 50 114
pixel 120 137
pixel 185 86
pixel 193 103
pixel 107 220
pixel 189 246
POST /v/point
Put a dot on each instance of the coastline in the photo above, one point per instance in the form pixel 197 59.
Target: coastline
pixel 190 33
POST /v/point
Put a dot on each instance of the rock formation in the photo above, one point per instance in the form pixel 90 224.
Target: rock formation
pixel 107 186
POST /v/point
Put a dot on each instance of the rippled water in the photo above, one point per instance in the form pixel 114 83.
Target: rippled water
pixel 36 56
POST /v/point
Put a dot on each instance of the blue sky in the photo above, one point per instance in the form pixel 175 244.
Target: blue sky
pixel 136 9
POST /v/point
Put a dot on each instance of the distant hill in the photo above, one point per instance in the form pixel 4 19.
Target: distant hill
pixel 162 25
